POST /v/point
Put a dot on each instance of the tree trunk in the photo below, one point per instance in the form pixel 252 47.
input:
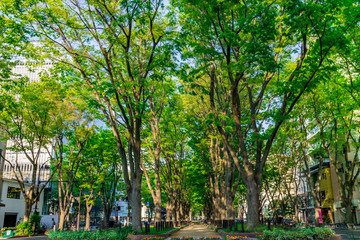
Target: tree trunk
pixel 253 202
pixel 273 215
pixel 107 213
pixel 157 203
pixel 168 211
pixel 62 217
pixel 230 211
pixel 157 198
pixel 28 207
pixel 87 219
pixel 135 203
pixel 348 211
pixel 229 196
pixel 222 201
pixel 178 218
pixel 296 212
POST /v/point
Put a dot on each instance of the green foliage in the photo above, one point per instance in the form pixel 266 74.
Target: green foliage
pixel 303 234
pixel 35 222
pixel 328 219
pixel 88 235
pixel 258 229
pixel 24 228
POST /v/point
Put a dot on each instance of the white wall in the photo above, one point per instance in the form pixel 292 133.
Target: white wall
pixel 15 205
pixel 123 212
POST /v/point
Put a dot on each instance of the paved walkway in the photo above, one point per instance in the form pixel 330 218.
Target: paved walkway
pixel 195 231
pixel 347 234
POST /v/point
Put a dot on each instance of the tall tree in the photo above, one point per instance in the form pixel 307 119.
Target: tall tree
pixel 99 174
pixel 157 102
pixel 115 47
pixel 27 121
pixel 247 51
pixel 69 143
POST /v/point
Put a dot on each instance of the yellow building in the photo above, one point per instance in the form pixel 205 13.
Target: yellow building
pixel 330 194
pixel 326 189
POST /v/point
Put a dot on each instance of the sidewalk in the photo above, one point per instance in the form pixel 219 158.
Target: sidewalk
pixel 347 234
pixel 195 231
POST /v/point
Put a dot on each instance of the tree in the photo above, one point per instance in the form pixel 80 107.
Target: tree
pixel 336 118
pixel 26 119
pixel 115 47
pixel 100 174
pixel 162 93
pixel 246 50
pixel 75 126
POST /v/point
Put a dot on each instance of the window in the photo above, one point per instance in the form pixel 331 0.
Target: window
pixel 322 195
pixel 323 176
pixel 13 192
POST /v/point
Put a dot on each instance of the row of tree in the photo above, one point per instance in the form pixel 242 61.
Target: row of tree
pixel 221 77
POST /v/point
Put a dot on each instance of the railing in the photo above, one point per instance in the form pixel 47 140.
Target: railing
pixel 159 226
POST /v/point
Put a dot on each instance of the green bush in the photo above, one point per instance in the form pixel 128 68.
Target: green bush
pixel 96 235
pixel 298 234
pixel 24 228
pixel 260 228
pixel 328 219
pixel 35 220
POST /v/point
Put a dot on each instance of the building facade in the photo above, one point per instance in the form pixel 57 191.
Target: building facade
pixel 14 201
pixel 331 210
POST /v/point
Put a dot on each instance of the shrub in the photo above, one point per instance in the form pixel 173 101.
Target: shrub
pixel 35 220
pixel 96 235
pixel 24 228
pixel 306 234
pixel 328 219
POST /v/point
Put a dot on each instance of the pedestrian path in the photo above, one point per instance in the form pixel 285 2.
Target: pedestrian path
pixel 195 231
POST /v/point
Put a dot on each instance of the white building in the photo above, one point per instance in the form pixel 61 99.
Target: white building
pixel 32 71
pixel 14 201
pixel 122 211
pixel 18 160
